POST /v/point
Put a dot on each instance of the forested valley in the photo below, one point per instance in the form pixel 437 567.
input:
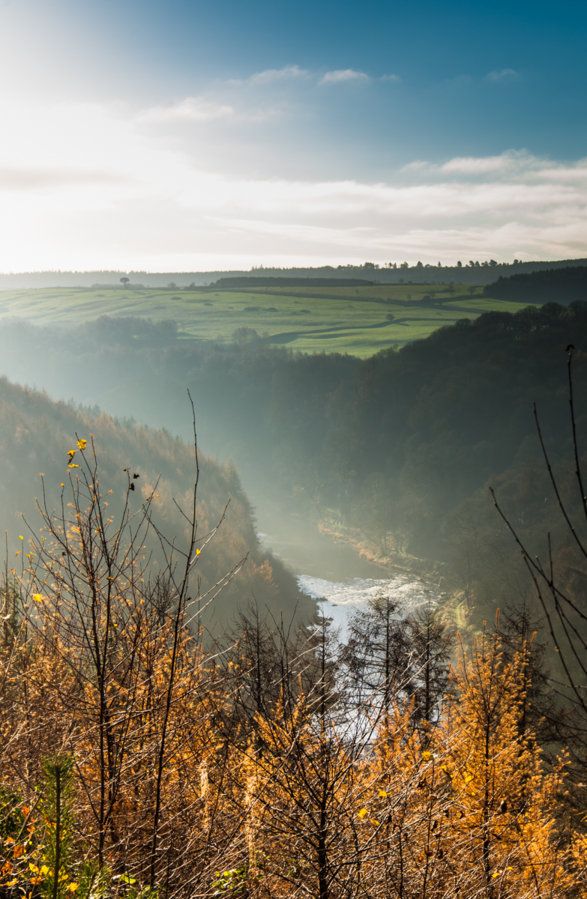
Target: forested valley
pixel 179 720
pixel 402 446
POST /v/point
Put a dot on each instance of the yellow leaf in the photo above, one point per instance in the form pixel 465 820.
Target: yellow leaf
pixel 362 813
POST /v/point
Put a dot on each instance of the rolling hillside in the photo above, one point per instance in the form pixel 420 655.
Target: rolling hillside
pixel 359 320
pixel 35 435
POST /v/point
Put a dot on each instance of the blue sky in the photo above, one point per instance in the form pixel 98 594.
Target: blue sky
pixel 200 134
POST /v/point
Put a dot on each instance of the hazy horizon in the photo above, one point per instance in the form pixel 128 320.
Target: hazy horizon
pixel 302 265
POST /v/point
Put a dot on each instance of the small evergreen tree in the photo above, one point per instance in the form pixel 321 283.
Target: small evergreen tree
pixel 56 802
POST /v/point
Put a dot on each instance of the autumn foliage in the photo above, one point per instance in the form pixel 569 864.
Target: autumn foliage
pixel 138 758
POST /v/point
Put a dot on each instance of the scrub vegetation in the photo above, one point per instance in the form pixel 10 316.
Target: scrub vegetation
pixel 137 762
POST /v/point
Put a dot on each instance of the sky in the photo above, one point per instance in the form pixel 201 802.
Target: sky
pixel 213 134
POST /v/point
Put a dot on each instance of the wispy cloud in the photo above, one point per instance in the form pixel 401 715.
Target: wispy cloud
pixel 475 166
pixel 286 73
pixel 500 75
pixel 143 201
pixel 513 166
pixel 529 215
pixel 190 109
pixel 344 76
pixel 32 178
pixel 202 110
pixel 296 73
pixel 289 73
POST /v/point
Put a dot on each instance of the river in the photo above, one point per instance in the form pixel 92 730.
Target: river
pixel 335 575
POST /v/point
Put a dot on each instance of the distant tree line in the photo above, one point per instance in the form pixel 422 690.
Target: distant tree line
pixel 253 281
pixel 471 271
pixel 562 285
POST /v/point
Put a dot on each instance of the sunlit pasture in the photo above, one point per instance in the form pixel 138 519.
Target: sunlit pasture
pixel 356 320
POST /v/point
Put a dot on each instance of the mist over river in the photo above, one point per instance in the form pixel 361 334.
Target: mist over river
pixel 333 573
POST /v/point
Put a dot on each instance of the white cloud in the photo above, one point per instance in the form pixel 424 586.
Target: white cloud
pixel 344 76
pixel 100 190
pixel 498 75
pixel 553 172
pixel 38 178
pixel 471 165
pixel 418 165
pixel 270 76
pixel 190 109
pixel 295 73
pixel 201 110
pixel 475 166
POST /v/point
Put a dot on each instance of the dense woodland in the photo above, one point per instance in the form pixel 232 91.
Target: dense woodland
pixel 568 285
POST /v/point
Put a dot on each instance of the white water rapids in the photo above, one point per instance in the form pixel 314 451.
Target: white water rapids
pixel 336 576
pixel 340 598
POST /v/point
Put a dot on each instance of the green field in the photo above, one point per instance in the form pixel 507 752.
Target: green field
pixel 356 320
